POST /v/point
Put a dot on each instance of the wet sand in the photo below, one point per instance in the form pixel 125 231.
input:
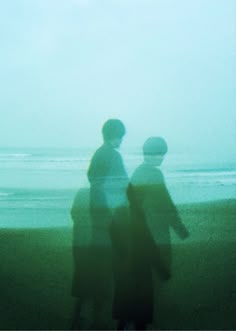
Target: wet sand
pixel 37 266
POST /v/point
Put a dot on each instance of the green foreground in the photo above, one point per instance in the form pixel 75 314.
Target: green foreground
pixel 37 266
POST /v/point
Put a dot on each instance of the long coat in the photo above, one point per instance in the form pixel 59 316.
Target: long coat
pixel 152 215
pixel 109 212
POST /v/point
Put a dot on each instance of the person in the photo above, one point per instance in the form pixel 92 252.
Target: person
pixel 108 208
pixel 152 215
pixel 81 242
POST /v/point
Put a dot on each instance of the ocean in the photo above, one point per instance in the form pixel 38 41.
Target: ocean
pixel 37 185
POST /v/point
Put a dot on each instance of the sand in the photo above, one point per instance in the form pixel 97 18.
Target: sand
pixel 37 266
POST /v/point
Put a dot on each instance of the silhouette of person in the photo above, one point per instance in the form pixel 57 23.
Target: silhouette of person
pixel 100 215
pixel 81 243
pixel 152 215
pixel 108 208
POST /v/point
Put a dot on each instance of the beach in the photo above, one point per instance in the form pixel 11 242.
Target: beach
pixel 37 269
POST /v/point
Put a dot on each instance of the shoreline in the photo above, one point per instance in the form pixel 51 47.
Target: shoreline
pixel 219 205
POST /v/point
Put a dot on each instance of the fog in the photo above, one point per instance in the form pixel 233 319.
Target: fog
pixel 164 67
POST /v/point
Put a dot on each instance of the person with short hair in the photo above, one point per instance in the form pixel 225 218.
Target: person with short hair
pixel 152 215
pixel 108 208
pixel 98 235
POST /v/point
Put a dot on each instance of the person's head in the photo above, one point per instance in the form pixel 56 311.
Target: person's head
pixel 154 150
pixel 113 131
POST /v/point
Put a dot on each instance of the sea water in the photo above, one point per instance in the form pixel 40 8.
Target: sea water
pixel 37 185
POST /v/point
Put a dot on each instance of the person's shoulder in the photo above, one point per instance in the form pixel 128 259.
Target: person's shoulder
pixel 158 177
pixel 106 149
pixel 111 153
pixel 101 152
pixel 106 154
pixel 138 171
pixel 144 174
pixel 139 175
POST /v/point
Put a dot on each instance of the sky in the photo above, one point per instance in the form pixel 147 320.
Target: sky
pixel 164 67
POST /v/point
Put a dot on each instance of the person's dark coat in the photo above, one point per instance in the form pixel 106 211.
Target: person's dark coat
pixel 152 215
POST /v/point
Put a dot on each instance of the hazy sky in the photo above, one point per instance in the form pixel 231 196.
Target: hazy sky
pixel 165 67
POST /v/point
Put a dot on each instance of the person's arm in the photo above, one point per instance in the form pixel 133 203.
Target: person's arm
pixel 116 182
pixel 136 196
pixel 174 218
pixel 158 264
pixel 97 168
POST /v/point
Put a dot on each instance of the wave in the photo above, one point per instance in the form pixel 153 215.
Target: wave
pixel 14 155
pixel 209 170
pixel 5 194
pixel 200 177
pixel 67 168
